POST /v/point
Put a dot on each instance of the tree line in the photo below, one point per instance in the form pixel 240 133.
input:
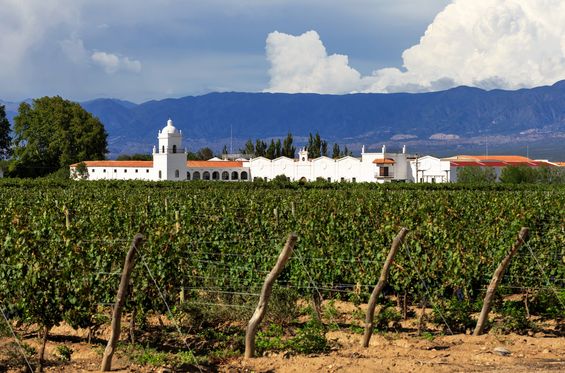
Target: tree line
pixel 316 147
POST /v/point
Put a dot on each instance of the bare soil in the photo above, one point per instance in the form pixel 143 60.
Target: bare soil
pixel 402 351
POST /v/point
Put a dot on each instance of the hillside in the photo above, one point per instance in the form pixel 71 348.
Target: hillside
pixel 459 119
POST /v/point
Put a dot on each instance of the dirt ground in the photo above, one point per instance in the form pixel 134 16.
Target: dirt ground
pixel 403 353
pixel 388 352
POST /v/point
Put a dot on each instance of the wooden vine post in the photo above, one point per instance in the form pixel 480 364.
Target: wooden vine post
pixel 120 300
pixel 266 291
pixel 380 285
pixel 496 278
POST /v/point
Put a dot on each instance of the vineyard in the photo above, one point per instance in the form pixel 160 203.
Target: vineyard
pixel 209 246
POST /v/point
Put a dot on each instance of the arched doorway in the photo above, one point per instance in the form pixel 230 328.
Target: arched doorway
pixel 244 175
pixel 196 175
pixel 206 175
pixel 225 175
pixel 215 175
pixel 234 175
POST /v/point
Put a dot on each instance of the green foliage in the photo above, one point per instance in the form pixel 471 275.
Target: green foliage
pixel 513 318
pixel 14 351
pixel 336 152
pixel 316 146
pixel 53 133
pixel 476 175
pixel 228 238
pixel 64 352
pixel 456 313
pixel 548 303
pixel 525 175
pixel 518 175
pixel 5 138
pixel 311 338
pixel 202 154
pixel 275 149
pixel 288 150
pixel 388 318
pixel 81 171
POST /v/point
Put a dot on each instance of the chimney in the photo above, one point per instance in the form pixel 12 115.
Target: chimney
pixel 384 150
pixel 403 149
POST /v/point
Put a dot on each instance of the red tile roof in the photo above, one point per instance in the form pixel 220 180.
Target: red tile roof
pixel 142 164
pixel 149 164
pixel 384 161
pixel 501 158
pixel 497 163
pixel 214 164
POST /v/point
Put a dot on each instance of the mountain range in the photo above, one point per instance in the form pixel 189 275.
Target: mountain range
pixel 458 120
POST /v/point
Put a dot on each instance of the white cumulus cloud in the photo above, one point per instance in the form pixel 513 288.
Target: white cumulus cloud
pixel 301 64
pixel 76 52
pixel 112 63
pixel 484 43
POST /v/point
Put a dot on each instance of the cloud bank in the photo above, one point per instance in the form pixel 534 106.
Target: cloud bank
pixel 489 44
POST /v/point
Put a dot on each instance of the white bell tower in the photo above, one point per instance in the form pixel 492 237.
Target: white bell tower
pixel 169 158
pixel 303 155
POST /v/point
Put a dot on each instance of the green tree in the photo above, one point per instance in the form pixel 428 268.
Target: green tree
pixel 346 152
pixel 271 150
pixel 288 149
pixel 519 175
pixel 316 146
pixel 248 149
pixel 5 139
pixel 205 154
pixel 474 174
pixel 278 148
pixel 54 133
pixel 260 148
pixel 336 152
pixel 225 150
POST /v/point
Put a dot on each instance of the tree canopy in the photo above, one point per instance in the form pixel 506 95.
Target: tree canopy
pixel 54 133
pixel 5 139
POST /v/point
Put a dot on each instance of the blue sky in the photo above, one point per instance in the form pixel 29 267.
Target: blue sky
pixel 152 49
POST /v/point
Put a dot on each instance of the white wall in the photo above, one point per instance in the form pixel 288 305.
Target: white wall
pixel 430 169
pixel 120 173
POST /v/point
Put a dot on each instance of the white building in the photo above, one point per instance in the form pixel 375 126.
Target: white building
pixel 428 169
pixel 371 167
pixel 169 163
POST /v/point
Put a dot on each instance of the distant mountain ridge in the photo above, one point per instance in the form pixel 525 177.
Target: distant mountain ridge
pixel 456 120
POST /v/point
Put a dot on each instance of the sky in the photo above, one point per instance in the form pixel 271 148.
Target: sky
pixel 153 49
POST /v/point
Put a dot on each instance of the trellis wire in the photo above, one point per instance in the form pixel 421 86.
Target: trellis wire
pixel 545 275
pixel 20 348
pixel 427 290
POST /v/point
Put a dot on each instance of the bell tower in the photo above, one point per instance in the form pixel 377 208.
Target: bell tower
pixel 169 159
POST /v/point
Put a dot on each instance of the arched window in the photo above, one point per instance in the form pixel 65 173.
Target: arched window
pixel 225 175
pixel 215 175
pixel 206 175
pixel 244 175
pixel 177 174
pixel 187 175
pixel 196 175
pixel 163 149
pixel 174 148
pixel 234 175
